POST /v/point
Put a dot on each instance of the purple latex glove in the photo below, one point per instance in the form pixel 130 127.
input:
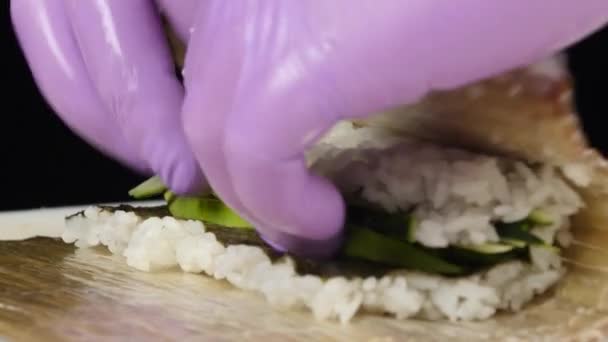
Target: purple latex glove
pixel 264 79
pixel 106 68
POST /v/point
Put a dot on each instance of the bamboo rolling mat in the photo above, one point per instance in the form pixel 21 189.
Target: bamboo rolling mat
pixel 51 291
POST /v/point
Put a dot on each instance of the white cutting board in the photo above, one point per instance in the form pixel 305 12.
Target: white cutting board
pixel 43 222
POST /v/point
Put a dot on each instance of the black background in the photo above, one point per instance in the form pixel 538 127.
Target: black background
pixel 43 164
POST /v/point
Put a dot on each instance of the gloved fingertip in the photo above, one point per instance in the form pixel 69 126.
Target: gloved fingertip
pixel 277 246
pixel 185 179
pixel 318 220
pixel 285 199
pixel 312 249
pixel 317 208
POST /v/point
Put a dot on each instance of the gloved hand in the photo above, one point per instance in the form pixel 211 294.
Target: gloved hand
pixel 264 79
pixel 106 69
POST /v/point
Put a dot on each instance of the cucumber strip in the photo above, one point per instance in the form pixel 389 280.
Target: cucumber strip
pixel 168 196
pixel 523 225
pixel 514 243
pixel 489 248
pixel 551 248
pixel 207 210
pixel 363 243
pixel 411 229
pixel 149 188
pixel 539 217
pixel 517 231
pixel 475 259
pixel 396 225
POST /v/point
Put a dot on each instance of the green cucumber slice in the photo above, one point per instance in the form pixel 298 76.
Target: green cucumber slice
pixel 398 225
pixel 551 248
pixel 514 243
pixel 207 210
pixel 367 244
pixel 474 259
pixel 517 231
pixel 538 217
pixel 489 248
pixel 411 229
pixel 149 188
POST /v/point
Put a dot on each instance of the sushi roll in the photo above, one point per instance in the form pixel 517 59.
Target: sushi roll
pixel 459 207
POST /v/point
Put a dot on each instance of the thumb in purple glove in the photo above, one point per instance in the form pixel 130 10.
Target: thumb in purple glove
pixel 265 79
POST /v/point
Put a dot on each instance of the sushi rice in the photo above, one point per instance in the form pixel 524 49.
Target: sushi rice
pixel 454 196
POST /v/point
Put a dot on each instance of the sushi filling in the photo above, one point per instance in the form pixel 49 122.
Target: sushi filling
pixel 422 207
pixel 387 240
